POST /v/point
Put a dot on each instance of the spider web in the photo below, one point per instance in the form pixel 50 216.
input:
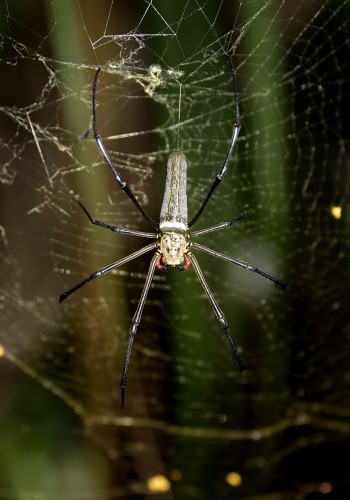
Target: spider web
pixel 193 426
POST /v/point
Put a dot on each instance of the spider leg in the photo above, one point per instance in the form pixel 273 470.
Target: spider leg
pixel 107 269
pixel 135 323
pixel 218 312
pixel 240 263
pixel 108 160
pixel 235 132
pixel 117 229
pixel 216 227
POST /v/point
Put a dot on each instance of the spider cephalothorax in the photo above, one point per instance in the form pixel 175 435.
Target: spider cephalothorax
pixel 173 248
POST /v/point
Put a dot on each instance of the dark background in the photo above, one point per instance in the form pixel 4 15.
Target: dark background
pixel 281 429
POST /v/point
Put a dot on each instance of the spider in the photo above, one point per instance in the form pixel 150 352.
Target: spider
pixel 173 246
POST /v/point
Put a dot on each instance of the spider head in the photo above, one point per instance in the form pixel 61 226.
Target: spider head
pixel 173 248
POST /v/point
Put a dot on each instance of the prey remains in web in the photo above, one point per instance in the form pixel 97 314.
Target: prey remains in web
pixel 173 243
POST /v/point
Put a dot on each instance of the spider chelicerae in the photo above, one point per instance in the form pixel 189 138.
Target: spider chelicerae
pixel 173 245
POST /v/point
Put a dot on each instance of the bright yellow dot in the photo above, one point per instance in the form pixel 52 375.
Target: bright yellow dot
pixel 336 212
pixel 2 351
pixel 158 484
pixel 233 479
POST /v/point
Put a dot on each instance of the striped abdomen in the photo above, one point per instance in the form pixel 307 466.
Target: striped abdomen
pixel 173 215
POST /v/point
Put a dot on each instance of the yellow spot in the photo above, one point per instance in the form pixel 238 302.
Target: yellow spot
pixel 158 484
pixel 233 479
pixel 336 212
pixel 2 351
